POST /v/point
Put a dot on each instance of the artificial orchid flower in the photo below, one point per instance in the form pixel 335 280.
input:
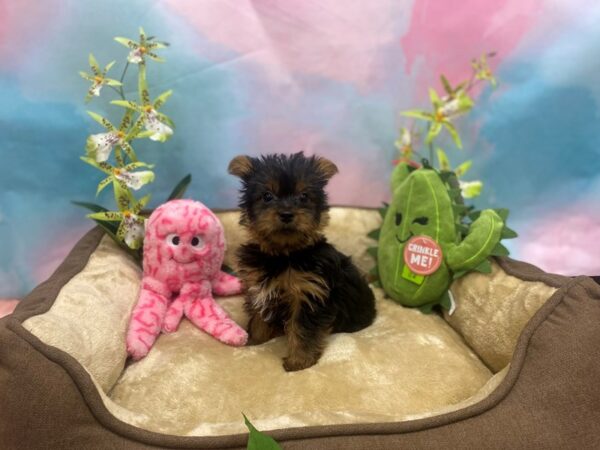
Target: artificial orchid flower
pixel 124 176
pixel 138 50
pixel 131 227
pixel 98 78
pixel 444 110
pixel 482 69
pixel 159 127
pixel 99 146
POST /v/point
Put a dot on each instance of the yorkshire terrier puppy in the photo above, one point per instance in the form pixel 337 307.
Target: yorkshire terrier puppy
pixel 297 283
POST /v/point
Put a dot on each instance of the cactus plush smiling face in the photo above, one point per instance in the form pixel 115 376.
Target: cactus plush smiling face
pixel 419 246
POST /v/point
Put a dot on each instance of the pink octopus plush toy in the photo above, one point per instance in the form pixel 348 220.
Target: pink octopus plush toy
pixel 184 246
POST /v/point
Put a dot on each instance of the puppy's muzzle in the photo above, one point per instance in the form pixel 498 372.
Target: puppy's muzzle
pixel 286 216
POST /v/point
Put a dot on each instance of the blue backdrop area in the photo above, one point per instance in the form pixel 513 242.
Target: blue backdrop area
pixel 327 77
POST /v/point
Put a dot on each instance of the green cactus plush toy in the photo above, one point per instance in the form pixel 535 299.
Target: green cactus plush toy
pixel 425 243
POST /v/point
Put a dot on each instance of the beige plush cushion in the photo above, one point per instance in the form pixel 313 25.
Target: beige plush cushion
pixel 491 311
pixel 406 365
pixel 90 315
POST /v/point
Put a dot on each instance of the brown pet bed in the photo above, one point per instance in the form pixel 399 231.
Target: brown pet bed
pixel 516 366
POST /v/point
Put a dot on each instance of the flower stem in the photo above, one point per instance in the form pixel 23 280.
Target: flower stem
pixel 120 91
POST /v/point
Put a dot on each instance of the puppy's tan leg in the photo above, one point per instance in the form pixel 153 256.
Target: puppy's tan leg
pixel 260 331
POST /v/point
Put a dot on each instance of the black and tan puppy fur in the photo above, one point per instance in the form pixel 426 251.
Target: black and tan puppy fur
pixel 297 283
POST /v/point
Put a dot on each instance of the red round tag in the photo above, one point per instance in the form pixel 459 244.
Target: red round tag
pixel 422 255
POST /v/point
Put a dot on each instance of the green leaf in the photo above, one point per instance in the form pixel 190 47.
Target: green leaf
pixel 443 159
pixel 373 252
pixel 484 267
pixel 460 210
pixel 418 114
pixel 110 229
pixel 375 234
pixel 91 206
pixel 426 309
pixel 474 215
pixel 258 440
pixel 508 233
pixel 460 274
pixel 454 134
pixel 446 85
pixel 179 190
pixel 463 168
pixel 503 213
pixel 499 250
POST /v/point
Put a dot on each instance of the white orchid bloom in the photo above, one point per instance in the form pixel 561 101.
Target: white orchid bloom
pixel 102 144
pixel 95 89
pixel 133 228
pixel 136 55
pixel 134 180
pixel 152 123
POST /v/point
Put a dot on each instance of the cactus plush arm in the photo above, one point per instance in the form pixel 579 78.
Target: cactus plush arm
pixel 484 235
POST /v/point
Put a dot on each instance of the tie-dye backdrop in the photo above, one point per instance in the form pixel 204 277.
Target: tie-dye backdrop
pixel 326 76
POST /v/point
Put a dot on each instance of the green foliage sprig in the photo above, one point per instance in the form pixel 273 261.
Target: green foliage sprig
pixel 455 102
pixel 112 151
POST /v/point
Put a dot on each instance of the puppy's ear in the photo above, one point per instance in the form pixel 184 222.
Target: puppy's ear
pixel 326 167
pixel 240 166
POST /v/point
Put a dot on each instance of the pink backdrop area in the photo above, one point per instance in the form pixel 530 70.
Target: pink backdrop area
pixel 324 76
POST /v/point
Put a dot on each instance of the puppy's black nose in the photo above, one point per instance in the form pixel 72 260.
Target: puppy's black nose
pixel 286 216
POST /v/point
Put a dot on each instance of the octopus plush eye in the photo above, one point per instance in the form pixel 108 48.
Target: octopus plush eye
pixel 173 239
pixel 197 242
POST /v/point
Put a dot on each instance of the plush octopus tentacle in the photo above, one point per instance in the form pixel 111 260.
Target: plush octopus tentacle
pixel 225 284
pixel 204 312
pixel 173 316
pixel 146 318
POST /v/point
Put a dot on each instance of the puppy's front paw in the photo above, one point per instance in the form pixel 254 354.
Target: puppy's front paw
pixel 291 364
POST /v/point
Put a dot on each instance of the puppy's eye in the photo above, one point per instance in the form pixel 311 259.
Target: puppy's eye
pixel 398 218
pixel 173 239
pixel 197 242
pixel 421 220
pixel 303 197
pixel 267 197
